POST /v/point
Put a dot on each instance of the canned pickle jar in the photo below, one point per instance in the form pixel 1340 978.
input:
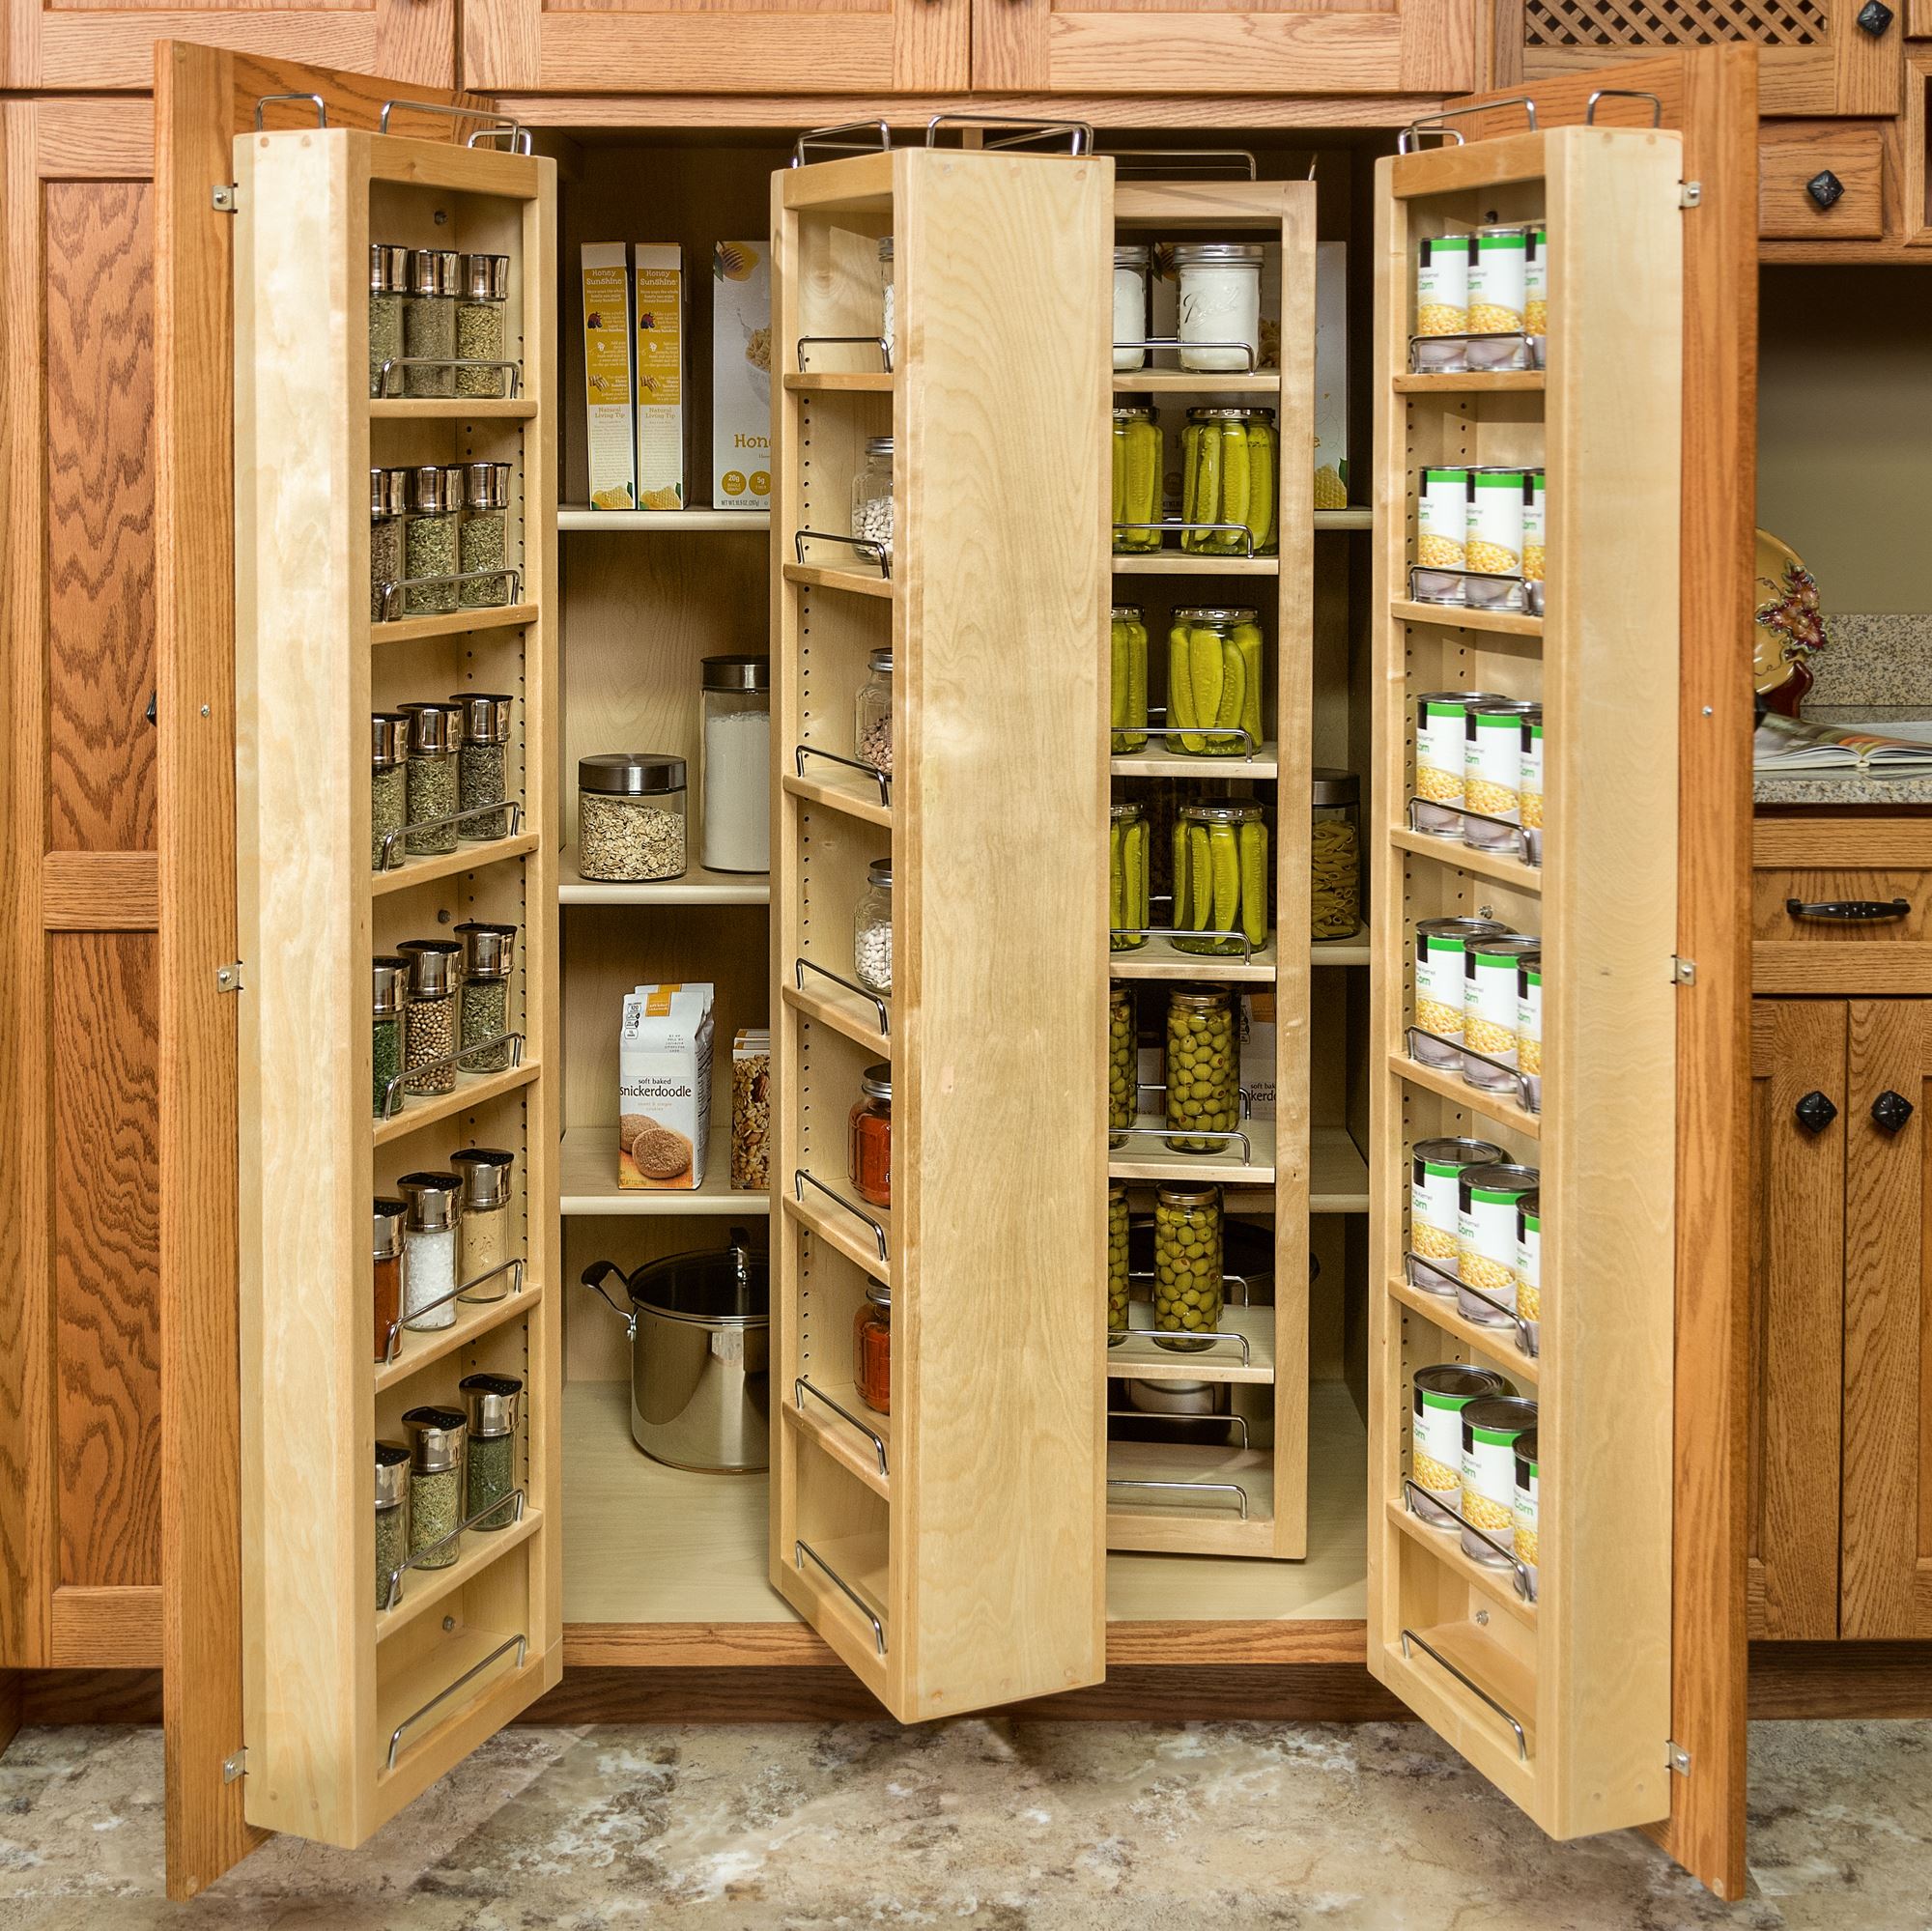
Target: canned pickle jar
pixel 1442 285
pixel 1126 877
pixel 1129 679
pixel 1437 1398
pixel 1493 547
pixel 1486 1199
pixel 1488 1009
pixel 1436 1167
pixel 1523 1510
pixel 1441 535
pixel 1441 727
pixel 1496 280
pixel 1214 677
pixel 1491 1428
pixel 1440 995
pixel 1492 775
pixel 1529 1267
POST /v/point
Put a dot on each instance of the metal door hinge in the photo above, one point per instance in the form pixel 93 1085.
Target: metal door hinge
pixel 1683 972
pixel 1689 194
pixel 228 978
pixel 235 1766
pixel 1677 1757
pixel 222 197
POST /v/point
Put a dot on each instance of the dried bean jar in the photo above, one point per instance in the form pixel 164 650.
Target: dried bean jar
pixel 873 497
pixel 483 1246
pixel 436 736
pixel 481 546
pixel 489 957
pixel 392 1515
pixel 1186 1265
pixel 388 787
pixel 389 501
pixel 429 322
pixel 490 1486
pixel 872 721
pixel 630 816
pixel 1204 1091
pixel 872 930
pixel 438 1438
pixel 387 1269
pixel 482 763
pixel 481 311
pixel 430 540
pixel 429 1019
pixel 429 1248
pixel 388 297
pixel 392 976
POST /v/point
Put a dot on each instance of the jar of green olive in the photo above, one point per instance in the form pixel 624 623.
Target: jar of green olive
pixel 436 736
pixel 429 540
pixel 389 500
pixel 1186 1265
pixel 1122 1062
pixel 1204 1090
pixel 489 956
pixel 392 1515
pixel 481 310
pixel 392 984
pixel 480 544
pixel 388 787
pixel 389 297
pixel 1117 1264
pixel 438 1438
pixel 429 1019
pixel 482 763
pixel 492 1402
pixel 429 322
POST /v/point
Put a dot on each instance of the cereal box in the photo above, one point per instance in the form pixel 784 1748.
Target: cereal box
pixel 659 280
pixel 741 376
pixel 606 375
pixel 664 1088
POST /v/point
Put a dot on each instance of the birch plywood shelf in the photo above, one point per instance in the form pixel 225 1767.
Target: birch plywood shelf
pixel 454 623
pixel 587 1180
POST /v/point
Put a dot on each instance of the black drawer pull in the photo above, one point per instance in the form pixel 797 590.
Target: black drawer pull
pixel 1890 1110
pixel 1815 1111
pixel 1850 910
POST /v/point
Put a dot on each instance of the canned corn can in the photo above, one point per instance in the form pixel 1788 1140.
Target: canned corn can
pixel 1529 1266
pixel 1489 1009
pixel 1486 1199
pixel 1536 281
pixel 1436 1167
pixel 1492 536
pixel 1491 1428
pixel 1442 520
pixel 1523 1505
pixel 1441 723
pixel 1496 281
pixel 1530 1012
pixel 1529 770
pixel 1493 773
pixel 1442 284
pixel 1438 1396
pixel 1439 970
pixel 1533 507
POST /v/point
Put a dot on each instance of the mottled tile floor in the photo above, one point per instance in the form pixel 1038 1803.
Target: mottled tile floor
pixel 1010 1826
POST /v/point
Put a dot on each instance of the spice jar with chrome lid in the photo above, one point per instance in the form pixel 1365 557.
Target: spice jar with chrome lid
pixel 438 1438
pixel 387 1261
pixel 436 737
pixel 392 1515
pixel 481 309
pixel 391 979
pixel 429 1019
pixel 482 542
pixel 492 1402
pixel 429 539
pixel 388 297
pixel 429 322
pixel 388 502
pixel 482 763
pixel 434 1209
pixel 484 1228
pixel 488 959
pixel 388 787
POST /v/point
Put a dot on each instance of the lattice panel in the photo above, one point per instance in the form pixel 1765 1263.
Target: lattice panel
pixel 1672 23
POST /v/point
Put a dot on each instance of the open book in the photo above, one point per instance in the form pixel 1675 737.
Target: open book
pixel 1783 747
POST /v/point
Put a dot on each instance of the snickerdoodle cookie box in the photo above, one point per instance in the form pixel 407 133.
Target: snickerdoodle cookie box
pixel 664 1088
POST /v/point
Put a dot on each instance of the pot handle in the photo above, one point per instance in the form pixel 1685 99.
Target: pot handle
pixel 595 1275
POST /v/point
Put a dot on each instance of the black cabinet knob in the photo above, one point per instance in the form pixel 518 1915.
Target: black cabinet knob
pixel 1875 16
pixel 151 696
pixel 1824 189
pixel 1815 1111
pixel 1890 1110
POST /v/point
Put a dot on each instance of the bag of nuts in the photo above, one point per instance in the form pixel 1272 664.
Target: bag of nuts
pixel 752 1109
pixel 664 1088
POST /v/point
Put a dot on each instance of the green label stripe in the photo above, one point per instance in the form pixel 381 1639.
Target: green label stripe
pixel 1445 475
pixel 1499 479
pixel 1440 1171
pixel 1485 243
pixel 1532 1223
pixel 1496 721
pixel 1448 948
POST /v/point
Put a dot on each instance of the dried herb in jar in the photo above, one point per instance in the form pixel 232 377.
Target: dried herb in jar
pixel 430 541
pixel 436 1442
pixel 630 815
pixel 483 763
pixel 389 784
pixel 392 984
pixel 485 1223
pixel 389 297
pixel 486 500
pixel 392 1515
pixel 480 314
pixel 489 955
pixel 436 735
pixel 429 322
pixel 388 499
pixel 492 1402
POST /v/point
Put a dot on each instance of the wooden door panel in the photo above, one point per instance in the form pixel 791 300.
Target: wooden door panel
pixel 1797 1225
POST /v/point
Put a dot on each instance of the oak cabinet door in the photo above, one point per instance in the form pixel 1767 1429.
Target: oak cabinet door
pixel 716 46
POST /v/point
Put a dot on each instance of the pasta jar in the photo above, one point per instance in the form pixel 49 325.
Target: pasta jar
pixel 482 763
pixel 1130 306
pixel 490 1484
pixel 1228 479
pixel 1442 732
pixel 429 540
pixel 1116 1264
pixel 1486 1198
pixel 1529 1267
pixel 872 496
pixel 888 319
pixel 1335 855
pixel 1214 679
pixel 1204 1089
pixel 480 315
pixel 630 816
pixel 1122 1062
pixel 436 736
pixel 1435 1172
pixel 1220 305
pixel 391 980
pixel 1491 1428
pixel 1128 877
pixel 389 297
pixel 1438 1396
pixel 429 1019
pixel 1529 780
pixel 1221 878
pixel 1492 546
pixel 1496 281
pixel 489 957
pixel 385 1262
pixel 1130 678
pixel 1440 945
pixel 1442 284
pixel 480 542
pixel 1493 773
pixel 429 1249
pixel 392 1515
pixel 438 1438
pixel 1186 1266
pixel 484 1248
pixel 388 787
pixel 1536 282
pixel 872 1348
pixel 1137 479
pixel 388 498
pixel 1488 1009
pixel 872 719
pixel 429 322
pixel 872 930
pixel 1441 535
pixel 869 1137
pixel 1524 1506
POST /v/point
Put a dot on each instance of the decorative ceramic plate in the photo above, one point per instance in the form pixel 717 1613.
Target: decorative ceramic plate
pixel 1769 666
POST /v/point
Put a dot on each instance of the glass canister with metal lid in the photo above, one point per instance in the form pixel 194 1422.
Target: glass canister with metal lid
pixel 435 741
pixel 1127 876
pixel 1229 459
pixel 630 816
pixel 488 959
pixel 872 930
pixel 482 541
pixel 1187 1298
pixel 1137 479
pixel 1219 309
pixel 1128 653
pixel 392 976
pixel 429 322
pixel 482 763
pixel 438 1440
pixel 388 787
pixel 429 1248
pixel 429 1018
pixel 1203 1085
pixel 1335 854
pixel 388 297
pixel 487 1174
pixel 1214 679
pixel 873 714
pixel 493 1402
pixel 1221 878
pixel 872 1348
pixel 872 496
pixel 868 1140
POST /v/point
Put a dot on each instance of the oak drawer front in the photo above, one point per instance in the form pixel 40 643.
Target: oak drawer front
pixel 1792 153
pixel 1852 930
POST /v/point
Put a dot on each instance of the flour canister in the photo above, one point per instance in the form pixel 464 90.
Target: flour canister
pixel 1437 1398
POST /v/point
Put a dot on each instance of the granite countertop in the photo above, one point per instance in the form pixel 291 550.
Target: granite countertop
pixel 1850 787
pixel 1877 672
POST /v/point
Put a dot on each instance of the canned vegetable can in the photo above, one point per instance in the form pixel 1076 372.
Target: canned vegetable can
pixel 1491 1428
pixel 1529 770
pixel 1439 996
pixel 1442 284
pixel 1489 1009
pixel 1435 1166
pixel 1442 531
pixel 1492 772
pixel 1497 275
pixel 1534 505
pixel 1529 1266
pixel 1486 1212
pixel 1493 541
pixel 1536 281
pixel 1438 1396
pixel 1441 723
pixel 1524 1509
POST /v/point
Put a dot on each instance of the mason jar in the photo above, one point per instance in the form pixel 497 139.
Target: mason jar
pixel 480 314
pixel 436 736
pixel 1221 878
pixel 389 784
pixel 869 1144
pixel 872 930
pixel 429 539
pixel 429 322
pixel 388 299
pixel 1186 1266
pixel 1122 1062
pixel 429 1018
pixel 872 721
pixel 888 300
pixel 1203 1074
pixel 1128 877
pixel 873 494
pixel 1137 479
pixel 1130 306
pixel 1117 1264
pixel 872 1348
pixel 388 499
pixel 480 542
pixel 630 816
pixel 1129 674
pixel 1335 855
pixel 1220 303
pixel 482 763
pixel 1215 678
pixel 489 957
pixel 1228 472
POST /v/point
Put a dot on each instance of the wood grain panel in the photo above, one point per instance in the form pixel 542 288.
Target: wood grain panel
pixel 101 892
pixel 1855 838
pixel 1773 886
pixel 99 343
pixel 116 1627
pixel 1791 152
pixel 106 1285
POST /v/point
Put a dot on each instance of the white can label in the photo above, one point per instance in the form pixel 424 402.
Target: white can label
pixel 1529 1020
pixel 1536 283
pixel 1485 1244
pixel 1438 987
pixel 1438 753
pixel 1442 285
pixel 1493 765
pixel 1489 1482
pixel 1494 543
pixel 1529 1267
pixel 1529 775
pixel 1488 1007
pixel 1532 528
pixel 1524 1509
pixel 1436 1443
pixel 1431 1215
pixel 1496 284
pixel 1442 519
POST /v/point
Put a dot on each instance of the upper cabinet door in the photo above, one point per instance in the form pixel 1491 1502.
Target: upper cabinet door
pixel 57 44
pixel 1203 46
pixel 716 46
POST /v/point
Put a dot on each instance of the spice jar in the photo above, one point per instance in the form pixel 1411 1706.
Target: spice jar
pixel 429 322
pixel 1335 855
pixel 489 955
pixel 1186 1265
pixel 872 496
pixel 1229 459
pixel 387 1261
pixel 735 770
pixel 437 1441
pixel 388 785
pixel 429 1019
pixel 872 1348
pixel 429 540
pixel 482 763
pixel 1122 1062
pixel 436 735
pixel 388 297
pixel 869 1137
pixel 1221 878
pixel 392 981
pixel 888 300
pixel 1130 306
pixel 480 546
pixel 392 1515
pixel 388 498
pixel 1220 303
pixel 429 1248
pixel 480 314
pixel 492 1402
pixel 1130 680
pixel 483 1229
pixel 1117 1264
pixel 630 815
pixel 1127 842
pixel 1214 679
pixel 873 726
pixel 872 930
pixel 1136 479
pixel 1204 1089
